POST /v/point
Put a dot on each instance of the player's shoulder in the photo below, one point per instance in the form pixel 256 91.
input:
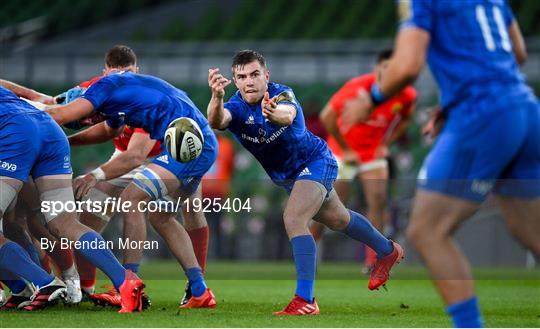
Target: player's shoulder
pixel 105 81
pixel 235 98
pixel 235 102
pixel 122 77
pixel 275 89
pixel 284 93
pixel 364 80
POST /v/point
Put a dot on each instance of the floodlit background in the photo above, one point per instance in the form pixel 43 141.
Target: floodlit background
pixel 312 45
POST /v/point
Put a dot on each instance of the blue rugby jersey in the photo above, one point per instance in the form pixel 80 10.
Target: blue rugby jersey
pixel 282 151
pixel 141 101
pixel 470 51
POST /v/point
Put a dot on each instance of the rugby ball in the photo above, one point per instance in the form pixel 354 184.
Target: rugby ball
pixel 184 139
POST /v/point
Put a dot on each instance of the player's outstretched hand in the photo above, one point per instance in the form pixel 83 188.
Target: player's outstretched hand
pixel 217 83
pixel 83 184
pixel 357 110
pixel 268 105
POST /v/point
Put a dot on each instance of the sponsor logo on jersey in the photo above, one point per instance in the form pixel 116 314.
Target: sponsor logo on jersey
pixel 481 186
pixel 263 139
pixel 305 172
pixel 164 158
pixel 8 166
pixel 67 162
pixel 250 120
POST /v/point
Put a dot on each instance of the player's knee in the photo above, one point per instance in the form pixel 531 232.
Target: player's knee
pixel 130 194
pixel 60 226
pixel 57 209
pixel 67 226
pixel 291 220
pixel 418 236
pixel 8 198
pixel 294 224
pixel 412 233
pixel 194 220
pixel 425 236
pixel 160 221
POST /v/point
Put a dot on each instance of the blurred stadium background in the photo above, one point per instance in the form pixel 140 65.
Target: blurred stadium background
pixel 312 45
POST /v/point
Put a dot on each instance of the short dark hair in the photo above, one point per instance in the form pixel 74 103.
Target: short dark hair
pixel 247 56
pixel 120 56
pixel 384 55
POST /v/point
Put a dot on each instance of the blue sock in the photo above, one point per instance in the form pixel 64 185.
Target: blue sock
pixel 360 229
pixel 32 252
pixel 14 283
pixel 102 258
pixel 466 314
pixel 196 280
pixel 134 267
pixel 14 259
pixel 305 253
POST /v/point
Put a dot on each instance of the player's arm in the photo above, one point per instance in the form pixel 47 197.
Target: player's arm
pixel 96 134
pixel 406 63
pixel 139 147
pixel 136 153
pixel 328 117
pixel 518 43
pixel 409 57
pixel 75 110
pixel 218 116
pixel 279 109
pixel 27 93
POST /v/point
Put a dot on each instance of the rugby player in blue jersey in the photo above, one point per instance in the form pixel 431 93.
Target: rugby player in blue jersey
pixel 143 101
pixel 489 140
pixel 33 144
pixel 267 120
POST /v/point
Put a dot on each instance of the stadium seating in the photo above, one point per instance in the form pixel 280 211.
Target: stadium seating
pixel 278 19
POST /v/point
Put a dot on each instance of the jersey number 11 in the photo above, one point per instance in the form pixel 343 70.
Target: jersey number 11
pixel 482 19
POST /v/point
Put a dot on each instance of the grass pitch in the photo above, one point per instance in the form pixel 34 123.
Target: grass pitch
pixel 248 293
